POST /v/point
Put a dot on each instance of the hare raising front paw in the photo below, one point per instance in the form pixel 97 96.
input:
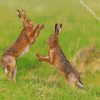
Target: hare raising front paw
pixel 26 38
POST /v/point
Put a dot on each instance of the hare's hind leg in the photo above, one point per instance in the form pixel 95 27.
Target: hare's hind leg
pixel 14 74
pixel 10 70
pixel 9 63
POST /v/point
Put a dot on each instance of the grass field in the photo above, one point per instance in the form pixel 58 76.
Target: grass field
pixel 40 81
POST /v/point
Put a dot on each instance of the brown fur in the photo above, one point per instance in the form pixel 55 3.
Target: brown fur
pixel 57 58
pixel 26 38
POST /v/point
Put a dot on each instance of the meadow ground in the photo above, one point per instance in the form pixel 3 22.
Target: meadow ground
pixel 40 81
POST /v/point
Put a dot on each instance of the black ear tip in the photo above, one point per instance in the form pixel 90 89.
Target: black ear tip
pixel 18 13
pixel 17 10
pixel 60 25
pixel 56 25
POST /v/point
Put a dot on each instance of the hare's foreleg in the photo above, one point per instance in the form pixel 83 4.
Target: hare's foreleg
pixel 36 31
pixel 43 58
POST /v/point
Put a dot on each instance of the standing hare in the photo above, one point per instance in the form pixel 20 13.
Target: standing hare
pixel 57 58
pixel 26 38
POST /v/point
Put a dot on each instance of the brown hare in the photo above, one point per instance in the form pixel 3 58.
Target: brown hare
pixel 57 58
pixel 26 38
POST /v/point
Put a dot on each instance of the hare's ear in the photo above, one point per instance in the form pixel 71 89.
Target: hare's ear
pixel 61 26
pixel 58 28
pixel 23 13
pixel 18 13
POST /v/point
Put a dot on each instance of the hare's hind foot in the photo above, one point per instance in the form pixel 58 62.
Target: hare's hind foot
pixel 9 63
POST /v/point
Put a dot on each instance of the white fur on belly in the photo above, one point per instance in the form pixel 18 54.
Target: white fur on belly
pixel 25 51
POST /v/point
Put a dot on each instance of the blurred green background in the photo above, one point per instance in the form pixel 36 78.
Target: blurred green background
pixel 39 81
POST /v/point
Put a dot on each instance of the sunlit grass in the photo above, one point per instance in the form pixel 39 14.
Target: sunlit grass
pixel 40 81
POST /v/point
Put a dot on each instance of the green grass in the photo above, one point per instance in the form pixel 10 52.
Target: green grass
pixel 40 81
